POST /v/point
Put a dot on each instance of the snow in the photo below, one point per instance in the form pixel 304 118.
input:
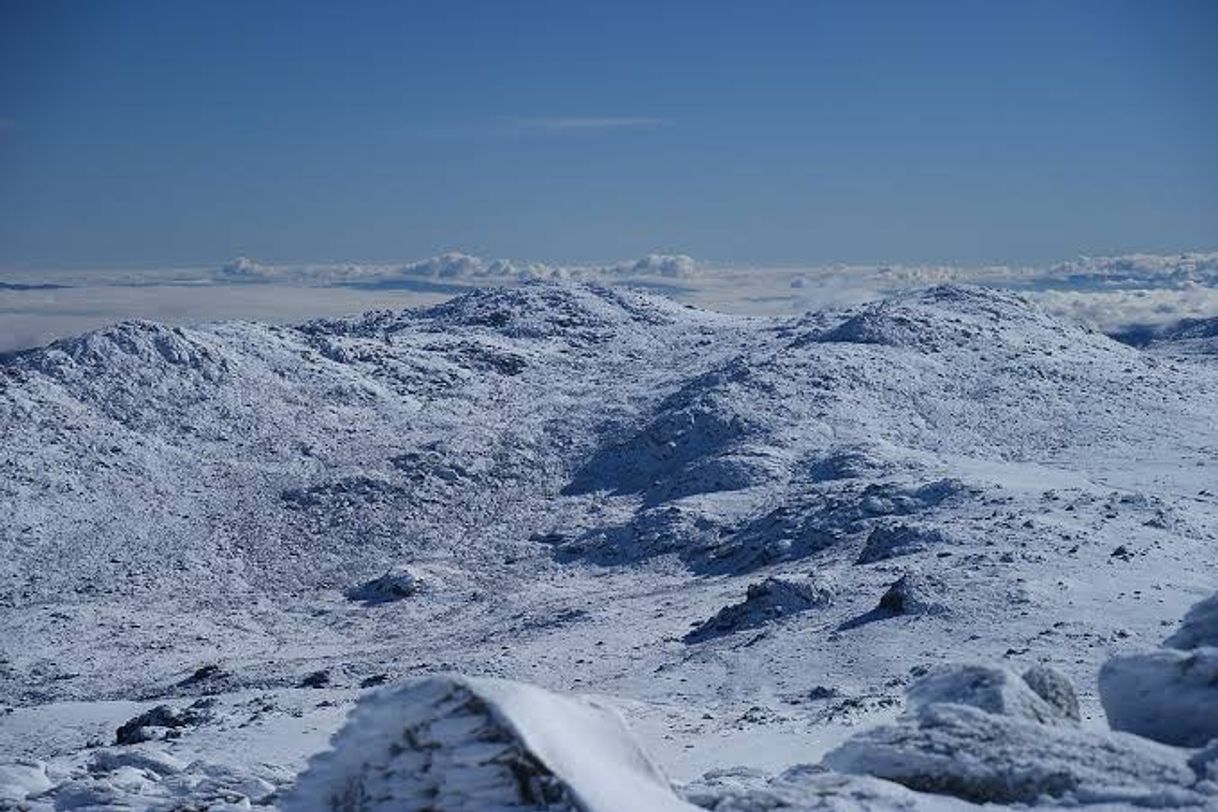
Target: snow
pixel 573 478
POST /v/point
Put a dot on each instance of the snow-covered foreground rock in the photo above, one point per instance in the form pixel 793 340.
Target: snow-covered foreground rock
pixel 1169 695
pixel 576 488
pixel 983 735
pixel 457 743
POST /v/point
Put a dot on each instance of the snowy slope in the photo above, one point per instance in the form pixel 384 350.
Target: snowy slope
pixel 576 478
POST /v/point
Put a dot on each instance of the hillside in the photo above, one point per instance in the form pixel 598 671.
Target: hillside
pixel 752 532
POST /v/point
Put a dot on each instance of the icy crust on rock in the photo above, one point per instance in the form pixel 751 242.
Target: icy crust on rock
pixel 1199 626
pixel 809 788
pixel 990 688
pixel 982 757
pixel 1167 695
pixel 1055 688
pixel 461 743
pixel 981 733
pixel 138 778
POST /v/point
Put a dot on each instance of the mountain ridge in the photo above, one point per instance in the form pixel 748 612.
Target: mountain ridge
pixel 571 478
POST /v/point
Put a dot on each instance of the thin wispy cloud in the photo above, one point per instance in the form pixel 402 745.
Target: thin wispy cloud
pixel 590 123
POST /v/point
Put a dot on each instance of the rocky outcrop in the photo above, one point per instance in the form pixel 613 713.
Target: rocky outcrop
pixel 764 602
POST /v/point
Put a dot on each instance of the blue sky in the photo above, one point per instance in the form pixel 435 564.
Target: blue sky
pixel 142 134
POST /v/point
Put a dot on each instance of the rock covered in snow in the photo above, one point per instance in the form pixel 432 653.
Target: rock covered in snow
pixel 21 778
pixel 460 743
pixel 146 779
pixel 1055 688
pixel 804 788
pixel 138 757
pixel 983 757
pixel 994 690
pixel 1205 762
pixel 987 735
pixel 764 601
pixel 395 584
pixel 891 541
pixel 915 593
pixel 1199 627
pixel 160 722
pixel 1167 695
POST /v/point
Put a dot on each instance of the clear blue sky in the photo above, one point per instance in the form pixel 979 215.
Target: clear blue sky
pixel 769 132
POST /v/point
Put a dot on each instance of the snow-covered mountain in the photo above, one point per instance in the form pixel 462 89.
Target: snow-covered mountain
pixel 752 533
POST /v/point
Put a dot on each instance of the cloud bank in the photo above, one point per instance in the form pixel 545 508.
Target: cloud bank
pixel 1110 293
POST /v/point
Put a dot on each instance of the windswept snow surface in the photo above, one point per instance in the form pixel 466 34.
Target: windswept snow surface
pixel 575 478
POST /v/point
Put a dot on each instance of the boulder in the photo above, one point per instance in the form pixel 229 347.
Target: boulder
pixel 1167 695
pixel 20 778
pixel 963 751
pixel 892 541
pixel 1199 627
pixel 809 788
pixel 394 585
pixel 160 722
pixel 137 757
pixel 914 594
pixel 1055 688
pixel 764 601
pixel 989 688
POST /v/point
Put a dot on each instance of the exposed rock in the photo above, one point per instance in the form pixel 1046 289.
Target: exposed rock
pixel 317 679
pixel 1168 695
pixel 765 601
pixel 1199 627
pixel 207 673
pixel 160 722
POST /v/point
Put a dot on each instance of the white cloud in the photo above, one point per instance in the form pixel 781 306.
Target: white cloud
pixel 457 267
pixel 672 266
pixel 1108 292
pixel 244 269
pixel 1112 310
